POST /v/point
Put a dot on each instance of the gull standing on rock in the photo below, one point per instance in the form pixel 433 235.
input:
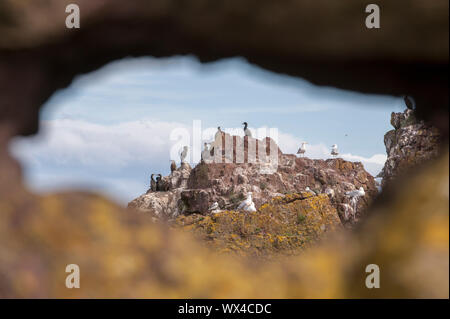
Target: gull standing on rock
pixel 247 131
pixel 308 190
pixel 183 154
pixel 206 152
pixel 214 208
pixel 301 151
pixel 152 183
pixel 334 150
pixel 218 133
pixel 354 197
pixel 173 166
pixel 251 207
pixel 217 140
pixel 356 193
pixel 329 191
pixel 247 204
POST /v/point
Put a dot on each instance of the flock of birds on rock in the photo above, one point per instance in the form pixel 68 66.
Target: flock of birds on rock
pixel 302 150
pixel 248 204
pixel 208 148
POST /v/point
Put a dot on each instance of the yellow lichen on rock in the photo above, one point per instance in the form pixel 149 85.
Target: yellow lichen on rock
pixel 286 225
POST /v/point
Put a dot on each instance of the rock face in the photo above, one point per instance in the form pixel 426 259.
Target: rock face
pixel 228 183
pixel 410 143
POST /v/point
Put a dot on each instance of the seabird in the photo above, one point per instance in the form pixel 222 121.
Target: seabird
pixel 218 133
pixel 409 101
pixel 247 131
pixel 158 182
pixel 247 204
pixel 329 191
pixel 217 140
pixel 184 154
pixel 173 166
pixel 251 208
pixel 354 197
pixel 152 183
pixel 206 153
pixel 302 148
pixel 356 193
pixel 308 190
pixel 214 206
pixel 334 150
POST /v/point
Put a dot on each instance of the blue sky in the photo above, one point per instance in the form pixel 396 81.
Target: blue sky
pixel 110 129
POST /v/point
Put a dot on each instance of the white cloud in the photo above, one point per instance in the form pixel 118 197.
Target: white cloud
pixel 281 109
pixel 113 159
pixel 74 142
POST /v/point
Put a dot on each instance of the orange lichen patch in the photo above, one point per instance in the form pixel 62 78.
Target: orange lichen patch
pixel 286 225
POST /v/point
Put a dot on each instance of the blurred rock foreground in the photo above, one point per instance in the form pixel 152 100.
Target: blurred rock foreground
pixel 124 254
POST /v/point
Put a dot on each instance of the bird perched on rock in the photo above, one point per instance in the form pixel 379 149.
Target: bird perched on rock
pixel 218 137
pixel 159 187
pixel 251 208
pixel 206 153
pixel 183 154
pixel 215 205
pixel 247 131
pixel 173 166
pixel 247 204
pixel 152 183
pixel 214 208
pixel 329 191
pixel 301 151
pixel 309 190
pixel 348 210
pixel 354 197
pixel 218 133
pixel 409 101
pixel 356 193
pixel 334 150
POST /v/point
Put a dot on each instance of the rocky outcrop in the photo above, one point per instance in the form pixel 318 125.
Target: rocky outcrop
pixel 227 184
pixel 411 142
